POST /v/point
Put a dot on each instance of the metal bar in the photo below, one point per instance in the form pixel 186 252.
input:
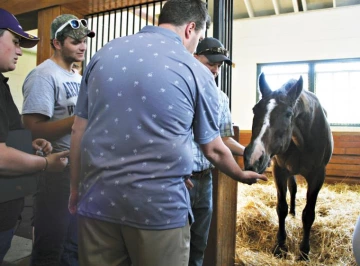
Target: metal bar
pixel 102 31
pixel 133 22
pixel 114 33
pixel 97 28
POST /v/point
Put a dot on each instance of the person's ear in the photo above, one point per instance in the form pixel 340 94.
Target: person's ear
pixel 56 43
pixel 190 28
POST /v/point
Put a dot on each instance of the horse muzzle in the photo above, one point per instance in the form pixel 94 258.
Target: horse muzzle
pixel 256 162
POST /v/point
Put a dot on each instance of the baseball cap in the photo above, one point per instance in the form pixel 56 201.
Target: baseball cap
pixel 214 50
pixel 10 23
pixel 65 22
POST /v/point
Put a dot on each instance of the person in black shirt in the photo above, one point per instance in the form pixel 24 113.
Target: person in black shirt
pixel 14 162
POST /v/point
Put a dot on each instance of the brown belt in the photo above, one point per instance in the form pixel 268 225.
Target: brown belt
pixel 200 174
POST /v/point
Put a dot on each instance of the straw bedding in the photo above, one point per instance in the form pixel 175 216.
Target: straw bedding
pixel 337 209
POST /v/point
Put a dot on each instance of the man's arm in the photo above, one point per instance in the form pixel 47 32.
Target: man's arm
pixel 14 162
pixel 41 127
pixel 235 147
pixel 220 156
pixel 77 133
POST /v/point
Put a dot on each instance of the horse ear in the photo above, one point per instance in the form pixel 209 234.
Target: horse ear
pixel 295 90
pixel 263 86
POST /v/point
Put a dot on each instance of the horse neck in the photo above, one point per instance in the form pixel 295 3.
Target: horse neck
pixel 309 116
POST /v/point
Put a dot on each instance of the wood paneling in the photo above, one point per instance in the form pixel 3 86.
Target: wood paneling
pixel 84 7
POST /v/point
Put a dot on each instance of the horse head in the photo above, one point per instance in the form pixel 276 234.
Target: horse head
pixel 273 123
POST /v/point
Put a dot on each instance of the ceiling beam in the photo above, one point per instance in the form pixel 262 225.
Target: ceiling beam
pixel 276 6
pixel 296 6
pixel 304 5
pixel 249 8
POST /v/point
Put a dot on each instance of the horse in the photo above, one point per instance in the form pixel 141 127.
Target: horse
pixel 290 128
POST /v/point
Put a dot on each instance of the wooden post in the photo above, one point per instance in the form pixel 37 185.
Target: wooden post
pixel 222 237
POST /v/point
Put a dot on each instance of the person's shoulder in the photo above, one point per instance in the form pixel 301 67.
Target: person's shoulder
pixel 223 95
pixel 46 66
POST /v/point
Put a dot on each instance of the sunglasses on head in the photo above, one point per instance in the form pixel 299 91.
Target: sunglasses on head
pixel 215 50
pixel 74 23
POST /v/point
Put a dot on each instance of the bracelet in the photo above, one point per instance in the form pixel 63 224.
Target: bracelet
pixel 46 164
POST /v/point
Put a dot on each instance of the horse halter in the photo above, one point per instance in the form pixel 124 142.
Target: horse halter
pixel 215 50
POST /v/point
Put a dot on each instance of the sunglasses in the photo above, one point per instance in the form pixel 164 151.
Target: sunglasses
pixel 215 50
pixel 74 23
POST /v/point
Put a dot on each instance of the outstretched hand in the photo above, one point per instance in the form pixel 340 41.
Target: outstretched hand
pixel 251 177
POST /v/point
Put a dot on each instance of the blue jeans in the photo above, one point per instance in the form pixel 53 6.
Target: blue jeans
pixel 55 229
pixel 202 207
pixel 5 242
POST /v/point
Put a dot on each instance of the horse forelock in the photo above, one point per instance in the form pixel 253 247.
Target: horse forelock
pixel 258 146
pixel 266 120
pixel 288 84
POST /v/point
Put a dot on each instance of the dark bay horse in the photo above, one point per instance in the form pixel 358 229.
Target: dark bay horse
pixel 291 129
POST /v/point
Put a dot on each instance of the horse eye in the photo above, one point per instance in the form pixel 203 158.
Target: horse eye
pixel 288 114
pixel 279 134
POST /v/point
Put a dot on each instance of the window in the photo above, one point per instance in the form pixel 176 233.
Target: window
pixel 335 82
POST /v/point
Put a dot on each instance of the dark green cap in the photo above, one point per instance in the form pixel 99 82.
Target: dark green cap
pixel 76 34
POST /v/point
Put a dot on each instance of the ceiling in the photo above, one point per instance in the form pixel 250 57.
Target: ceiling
pixel 259 8
pixel 242 8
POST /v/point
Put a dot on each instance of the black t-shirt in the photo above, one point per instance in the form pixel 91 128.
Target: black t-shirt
pixel 10 119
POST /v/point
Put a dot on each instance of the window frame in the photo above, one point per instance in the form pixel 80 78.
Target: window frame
pixel 311 77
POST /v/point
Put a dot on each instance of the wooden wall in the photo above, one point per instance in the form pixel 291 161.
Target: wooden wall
pixel 344 165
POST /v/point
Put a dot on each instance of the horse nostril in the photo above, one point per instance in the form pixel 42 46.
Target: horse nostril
pixel 261 159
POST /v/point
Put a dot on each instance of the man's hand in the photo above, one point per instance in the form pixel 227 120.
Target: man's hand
pixel 189 184
pixel 251 177
pixel 57 161
pixel 73 200
pixel 42 145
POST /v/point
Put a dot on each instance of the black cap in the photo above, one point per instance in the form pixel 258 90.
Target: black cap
pixel 214 50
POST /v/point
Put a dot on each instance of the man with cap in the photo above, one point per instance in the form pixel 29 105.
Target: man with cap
pixel 50 94
pixel 14 162
pixel 211 53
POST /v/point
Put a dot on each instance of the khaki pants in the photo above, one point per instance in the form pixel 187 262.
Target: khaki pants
pixel 110 244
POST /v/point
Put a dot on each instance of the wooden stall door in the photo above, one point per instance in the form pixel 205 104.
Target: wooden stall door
pixel 220 250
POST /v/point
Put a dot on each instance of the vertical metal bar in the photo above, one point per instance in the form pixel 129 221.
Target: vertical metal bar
pixel 92 41
pixel 133 21
pixel 140 14
pixel 153 20
pixel 115 16
pixel 121 19
pixel 109 16
pixel 102 31
pixel 127 21
pixel 97 37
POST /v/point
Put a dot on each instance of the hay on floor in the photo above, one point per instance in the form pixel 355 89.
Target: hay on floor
pixel 337 210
